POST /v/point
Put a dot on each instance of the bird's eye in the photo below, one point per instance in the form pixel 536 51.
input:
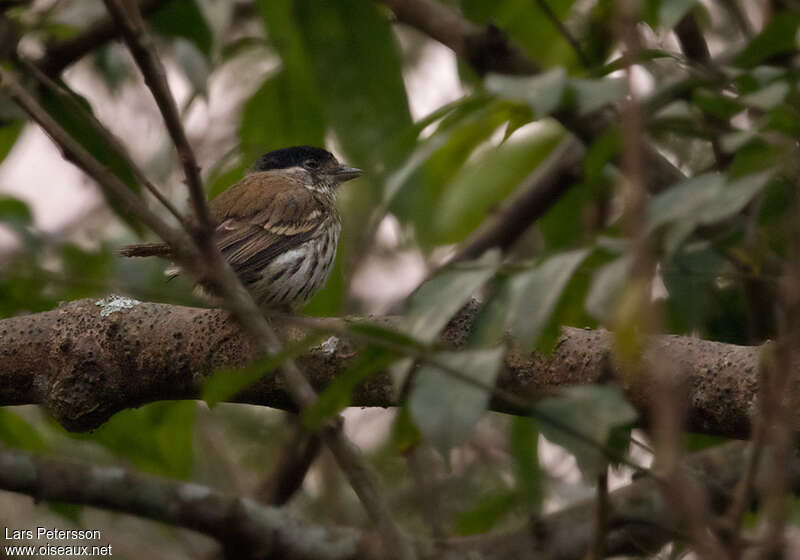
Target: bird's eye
pixel 311 164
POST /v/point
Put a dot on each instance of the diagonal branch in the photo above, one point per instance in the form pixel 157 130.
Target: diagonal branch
pixel 536 195
pixel 640 521
pixel 208 264
pixel 241 525
pixel 236 298
pixel 486 49
pixel 60 54
pixel 78 155
pixel 129 20
pixel 69 97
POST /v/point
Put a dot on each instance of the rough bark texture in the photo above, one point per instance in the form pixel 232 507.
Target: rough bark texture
pixel 641 521
pixel 88 359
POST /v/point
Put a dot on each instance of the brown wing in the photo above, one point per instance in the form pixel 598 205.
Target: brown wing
pixel 261 217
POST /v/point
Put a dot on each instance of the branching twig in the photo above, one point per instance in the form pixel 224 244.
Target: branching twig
pixel 129 20
pixel 236 297
pixel 108 137
pixel 60 54
pixel 78 155
pixel 296 456
pixel 216 271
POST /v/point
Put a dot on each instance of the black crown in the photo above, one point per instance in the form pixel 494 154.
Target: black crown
pixel 291 157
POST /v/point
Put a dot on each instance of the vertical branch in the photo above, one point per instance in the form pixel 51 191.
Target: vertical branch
pixel 601 514
pixel 129 19
pixel 778 383
pixel 638 314
pixel 237 299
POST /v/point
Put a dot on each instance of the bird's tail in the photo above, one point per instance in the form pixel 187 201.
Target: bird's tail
pixel 146 250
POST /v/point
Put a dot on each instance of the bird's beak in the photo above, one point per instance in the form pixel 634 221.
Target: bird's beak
pixel 344 173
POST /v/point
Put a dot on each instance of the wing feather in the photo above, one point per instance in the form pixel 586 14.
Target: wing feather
pixel 263 220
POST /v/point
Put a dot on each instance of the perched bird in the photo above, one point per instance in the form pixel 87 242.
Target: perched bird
pixel 278 227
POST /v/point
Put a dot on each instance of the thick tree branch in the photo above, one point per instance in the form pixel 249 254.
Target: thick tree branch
pixel 244 527
pixel 211 267
pixel 640 521
pixel 87 360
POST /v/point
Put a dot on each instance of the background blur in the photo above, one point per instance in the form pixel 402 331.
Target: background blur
pixel 443 147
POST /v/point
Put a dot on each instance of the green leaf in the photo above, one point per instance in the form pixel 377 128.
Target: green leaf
pixel 353 53
pixel 183 18
pixel 226 383
pixel 492 320
pixel 543 92
pixel 538 291
pixel 18 433
pixel 193 63
pixel 9 133
pixel 445 408
pixel 405 434
pixel 480 186
pixel 716 105
pixel 433 165
pixel 524 451
pixel 337 396
pixel 488 513
pixel 157 437
pixel 432 305
pixel 702 200
pixel 591 95
pixel 287 109
pixel 667 12
pixel 74 114
pixel 778 37
pixel 15 210
pixel 768 97
pixel 691 280
pixel 284 111
pixel 607 284
pixel 594 412
pixel 528 25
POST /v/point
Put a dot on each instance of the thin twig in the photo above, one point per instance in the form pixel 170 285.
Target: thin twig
pixel 559 25
pixel 210 266
pixel 140 44
pixel 744 489
pixel 235 296
pixel 668 412
pixel 78 155
pixel 60 54
pixel 509 400
pixel 296 456
pixel 601 518
pixel 107 135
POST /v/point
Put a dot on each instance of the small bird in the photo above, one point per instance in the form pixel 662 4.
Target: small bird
pixel 278 226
